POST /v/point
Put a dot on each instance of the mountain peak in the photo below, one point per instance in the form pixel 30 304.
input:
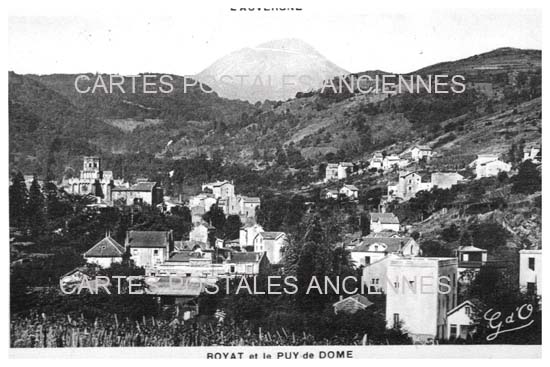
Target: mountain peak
pixel 289 45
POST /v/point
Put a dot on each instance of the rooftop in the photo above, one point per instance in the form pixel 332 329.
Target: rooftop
pixel 385 218
pixel 107 247
pixel 148 239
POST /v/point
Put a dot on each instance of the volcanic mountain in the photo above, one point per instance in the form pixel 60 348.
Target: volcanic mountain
pixel 275 70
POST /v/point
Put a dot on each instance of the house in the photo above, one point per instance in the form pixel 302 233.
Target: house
pixel 416 300
pixel 350 191
pixel 204 200
pixel 331 194
pixel 419 152
pixel 331 172
pixel 376 272
pixel 248 206
pixel 383 222
pixel 74 278
pixel 197 212
pixel 445 180
pixel 246 263
pixel 169 205
pixel 409 184
pixel 377 161
pixel 105 252
pixel 530 271
pixel 220 189
pixel 248 233
pixel 372 249
pixel 533 153
pixel 272 243
pixel 200 233
pixel 471 258
pixel 352 304
pixel 149 193
pixel 344 169
pixel 391 161
pixel 489 165
pixel 462 321
pixel 149 248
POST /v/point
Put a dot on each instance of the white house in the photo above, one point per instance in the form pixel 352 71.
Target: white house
pixel 344 168
pixel 248 233
pixel 105 252
pixel 350 191
pixel 533 153
pixel 384 222
pixel 272 243
pixel 445 180
pixel 149 248
pixel 530 271
pixel 377 161
pixel 200 233
pixel 415 298
pixel 376 273
pixel 419 152
pixel 372 249
pixel 410 183
pixel 331 194
pixel 331 172
pixel 248 205
pixel 246 263
pixel 462 321
pixel 489 165
pixel 391 161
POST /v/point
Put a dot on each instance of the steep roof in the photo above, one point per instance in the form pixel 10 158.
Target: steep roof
pixel 465 303
pixel 422 147
pixel 384 218
pixel 271 235
pixel 393 244
pixel 471 249
pixel 358 298
pixel 251 199
pixel 351 187
pixel 107 247
pixel 148 239
pixel 140 186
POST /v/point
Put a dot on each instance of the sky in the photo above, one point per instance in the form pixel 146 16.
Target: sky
pixel 186 43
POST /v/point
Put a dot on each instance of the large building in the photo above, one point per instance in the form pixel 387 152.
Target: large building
pixel 92 180
pixel 410 183
pixel 272 244
pixel 420 293
pixel 143 192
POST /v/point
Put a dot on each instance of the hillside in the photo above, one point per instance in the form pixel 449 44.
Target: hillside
pixel 309 129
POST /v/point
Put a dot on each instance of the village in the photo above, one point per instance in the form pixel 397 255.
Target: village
pixel 384 258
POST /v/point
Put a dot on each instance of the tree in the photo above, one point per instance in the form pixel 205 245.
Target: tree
pixel 215 217
pixel 18 200
pixel 35 209
pixel 528 179
pixel 232 227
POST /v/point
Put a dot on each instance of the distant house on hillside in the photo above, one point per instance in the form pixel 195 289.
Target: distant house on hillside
pixel 409 184
pixel 489 165
pixel 248 205
pixel 384 222
pixel 149 248
pixel 419 152
pixel 331 194
pixel 393 160
pixel 533 153
pixel 105 252
pixel 376 161
pixel 248 233
pixel 350 191
pixel 338 171
pixel 220 189
pixel 445 180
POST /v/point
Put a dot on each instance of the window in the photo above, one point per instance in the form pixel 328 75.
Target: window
pixel 532 263
pixel 453 331
pixel 467 310
pixel 375 281
pixel 249 269
pixel 367 260
pixel 531 287
pixel 395 319
pixel 232 268
pixel 465 257
pixel 396 285
pixel 155 252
